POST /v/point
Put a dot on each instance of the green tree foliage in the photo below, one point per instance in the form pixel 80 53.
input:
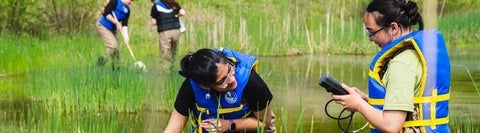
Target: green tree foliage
pixel 458 5
pixel 37 17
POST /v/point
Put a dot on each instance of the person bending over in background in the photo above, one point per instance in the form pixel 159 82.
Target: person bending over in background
pixel 165 14
pixel 115 16
pixel 409 79
pixel 223 93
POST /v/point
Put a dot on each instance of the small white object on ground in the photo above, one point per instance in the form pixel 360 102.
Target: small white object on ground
pixel 140 66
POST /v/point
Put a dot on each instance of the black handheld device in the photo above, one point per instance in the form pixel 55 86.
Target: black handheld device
pixel 331 85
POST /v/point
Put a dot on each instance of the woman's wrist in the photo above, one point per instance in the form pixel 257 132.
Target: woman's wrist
pixel 233 125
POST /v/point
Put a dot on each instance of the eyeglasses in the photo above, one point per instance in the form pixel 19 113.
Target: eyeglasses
pixel 373 33
pixel 223 82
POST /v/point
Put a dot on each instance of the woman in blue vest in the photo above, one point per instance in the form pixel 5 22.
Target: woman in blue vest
pixel 115 16
pixel 223 93
pixel 166 15
pixel 409 79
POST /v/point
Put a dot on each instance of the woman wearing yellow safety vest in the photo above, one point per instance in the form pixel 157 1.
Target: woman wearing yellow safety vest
pixel 409 79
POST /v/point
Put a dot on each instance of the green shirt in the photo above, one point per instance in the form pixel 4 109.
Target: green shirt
pixel 402 81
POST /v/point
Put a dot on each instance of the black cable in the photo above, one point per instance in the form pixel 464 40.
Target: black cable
pixel 339 118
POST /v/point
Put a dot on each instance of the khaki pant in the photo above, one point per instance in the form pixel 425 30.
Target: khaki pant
pixel 168 41
pixel 112 47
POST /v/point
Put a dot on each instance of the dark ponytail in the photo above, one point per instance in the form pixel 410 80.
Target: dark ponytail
pixel 184 65
pixel 413 17
pixel 201 66
pixel 403 12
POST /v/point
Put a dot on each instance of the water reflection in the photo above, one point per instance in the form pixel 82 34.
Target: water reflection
pixel 294 82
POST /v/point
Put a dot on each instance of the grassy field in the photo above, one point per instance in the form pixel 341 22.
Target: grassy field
pixel 280 28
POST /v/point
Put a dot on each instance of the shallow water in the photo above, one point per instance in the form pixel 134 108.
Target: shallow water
pixel 299 102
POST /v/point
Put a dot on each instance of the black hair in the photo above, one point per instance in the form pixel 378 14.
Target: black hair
pixel 171 4
pixel 403 12
pixel 201 66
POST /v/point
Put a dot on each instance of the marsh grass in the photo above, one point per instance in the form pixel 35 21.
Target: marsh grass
pixel 297 122
pixel 465 123
pixel 47 80
pixel 75 83
pixel 473 81
pixel 280 28
pixel 461 30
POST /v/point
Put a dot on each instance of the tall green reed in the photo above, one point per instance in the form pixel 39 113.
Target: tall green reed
pixel 473 81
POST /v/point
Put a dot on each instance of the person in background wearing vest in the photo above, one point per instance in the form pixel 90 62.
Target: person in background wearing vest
pixel 409 79
pixel 115 16
pixel 223 92
pixel 166 15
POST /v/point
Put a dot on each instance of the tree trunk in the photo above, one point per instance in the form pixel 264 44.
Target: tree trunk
pixel 430 14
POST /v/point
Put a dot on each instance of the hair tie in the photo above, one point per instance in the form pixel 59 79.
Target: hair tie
pixel 190 58
pixel 183 74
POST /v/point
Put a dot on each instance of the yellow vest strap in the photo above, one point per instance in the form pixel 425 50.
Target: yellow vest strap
pixel 416 123
pixel 202 110
pixel 428 99
pixel 221 111
pixel 197 126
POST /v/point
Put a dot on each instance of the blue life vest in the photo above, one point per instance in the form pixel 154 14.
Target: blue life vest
pixel 228 104
pixel 168 18
pixel 121 13
pixel 435 83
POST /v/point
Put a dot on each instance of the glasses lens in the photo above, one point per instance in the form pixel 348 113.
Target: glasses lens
pixel 366 32
pixel 231 72
pixel 373 33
